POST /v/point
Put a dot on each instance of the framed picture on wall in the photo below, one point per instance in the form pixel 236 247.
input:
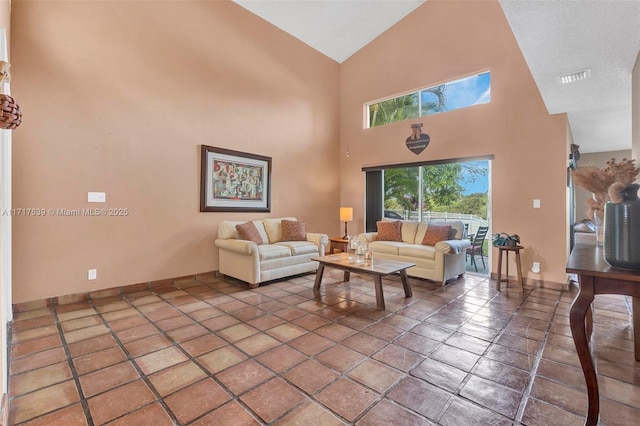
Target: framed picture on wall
pixel 233 181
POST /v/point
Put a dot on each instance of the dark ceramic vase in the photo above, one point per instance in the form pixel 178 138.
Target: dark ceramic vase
pixel 622 230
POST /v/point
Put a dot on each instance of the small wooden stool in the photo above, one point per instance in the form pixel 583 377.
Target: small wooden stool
pixel 507 249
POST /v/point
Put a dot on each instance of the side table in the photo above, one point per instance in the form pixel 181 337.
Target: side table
pixel 338 243
pixel 507 249
pixel 595 276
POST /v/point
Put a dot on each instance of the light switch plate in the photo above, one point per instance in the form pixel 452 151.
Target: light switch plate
pixel 97 197
pixel 92 274
pixel 536 204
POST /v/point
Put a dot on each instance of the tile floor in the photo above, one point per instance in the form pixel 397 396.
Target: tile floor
pixel 214 352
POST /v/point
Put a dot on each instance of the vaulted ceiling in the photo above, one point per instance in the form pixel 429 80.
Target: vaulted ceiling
pixel 556 38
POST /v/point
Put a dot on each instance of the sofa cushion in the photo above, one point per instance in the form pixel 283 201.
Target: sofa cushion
pixel 389 230
pixel 409 228
pixel 293 230
pixel 456 225
pixel 418 251
pixel 388 247
pixel 273 251
pixel 273 228
pixel 248 231
pixel 299 247
pixel 227 230
pixel 435 234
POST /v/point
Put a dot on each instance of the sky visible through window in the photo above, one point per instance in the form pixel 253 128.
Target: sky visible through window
pixel 480 182
pixel 469 92
pixel 466 92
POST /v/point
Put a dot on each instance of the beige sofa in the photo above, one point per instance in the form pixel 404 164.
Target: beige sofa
pixel 440 263
pixel 274 259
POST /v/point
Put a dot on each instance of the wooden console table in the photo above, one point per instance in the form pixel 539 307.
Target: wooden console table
pixel 595 276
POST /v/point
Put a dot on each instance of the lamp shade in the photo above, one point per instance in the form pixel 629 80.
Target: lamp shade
pixel 346 214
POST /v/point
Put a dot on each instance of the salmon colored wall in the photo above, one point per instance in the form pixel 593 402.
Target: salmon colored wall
pixel 118 96
pixel 442 41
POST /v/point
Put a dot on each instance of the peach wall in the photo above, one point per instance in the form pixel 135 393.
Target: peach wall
pixel 118 96
pixel 445 40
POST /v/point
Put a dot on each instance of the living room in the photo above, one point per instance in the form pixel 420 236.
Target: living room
pixel 118 97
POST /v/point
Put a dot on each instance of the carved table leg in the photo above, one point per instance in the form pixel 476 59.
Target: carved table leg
pixel 577 318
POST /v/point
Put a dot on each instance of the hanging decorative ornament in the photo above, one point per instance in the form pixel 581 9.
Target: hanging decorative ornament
pixel 418 141
pixel 10 114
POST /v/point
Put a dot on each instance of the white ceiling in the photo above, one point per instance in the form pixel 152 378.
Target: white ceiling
pixel 556 37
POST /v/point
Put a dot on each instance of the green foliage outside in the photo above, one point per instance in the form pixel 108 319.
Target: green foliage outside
pixel 408 106
pixel 442 189
pixel 392 110
pixel 475 204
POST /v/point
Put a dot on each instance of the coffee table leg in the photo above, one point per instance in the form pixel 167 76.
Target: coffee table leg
pixel 377 279
pixel 316 285
pixel 405 283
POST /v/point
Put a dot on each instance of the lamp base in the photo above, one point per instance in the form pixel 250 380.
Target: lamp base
pixel 346 234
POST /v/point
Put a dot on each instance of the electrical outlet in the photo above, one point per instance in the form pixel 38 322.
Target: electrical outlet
pixel 96 197
pixel 92 274
pixel 535 268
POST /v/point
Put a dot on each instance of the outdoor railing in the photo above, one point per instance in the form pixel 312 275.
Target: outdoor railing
pixel 472 222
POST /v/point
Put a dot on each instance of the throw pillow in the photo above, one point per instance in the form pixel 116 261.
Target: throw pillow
pixel 293 230
pixel 435 234
pixel 249 232
pixel 389 230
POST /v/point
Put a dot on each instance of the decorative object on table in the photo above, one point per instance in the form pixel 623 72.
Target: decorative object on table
pixel 10 114
pixel 599 181
pixel 360 250
pixel 233 181
pixel 418 141
pixel 503 239
pixel 368 257
pixel 622 227
pixel 346 215
pixel 352 246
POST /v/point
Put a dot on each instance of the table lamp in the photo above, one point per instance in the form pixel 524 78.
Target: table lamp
pixel 346 215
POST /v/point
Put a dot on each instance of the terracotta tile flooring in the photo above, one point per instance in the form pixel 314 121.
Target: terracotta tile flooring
pixel 214 352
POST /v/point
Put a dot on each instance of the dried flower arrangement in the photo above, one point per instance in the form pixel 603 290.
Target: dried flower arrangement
pixel 605 184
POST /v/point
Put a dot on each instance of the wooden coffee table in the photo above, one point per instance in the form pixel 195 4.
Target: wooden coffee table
pixel 377 269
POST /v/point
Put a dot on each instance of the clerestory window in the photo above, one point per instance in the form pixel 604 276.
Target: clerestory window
pixel 461 93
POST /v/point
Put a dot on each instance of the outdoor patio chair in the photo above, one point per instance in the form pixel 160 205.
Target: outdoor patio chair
pixel 477 246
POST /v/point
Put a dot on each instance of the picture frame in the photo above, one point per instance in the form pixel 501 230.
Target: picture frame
pixel 234 181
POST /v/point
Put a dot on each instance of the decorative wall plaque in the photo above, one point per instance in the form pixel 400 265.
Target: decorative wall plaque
pixel 418 141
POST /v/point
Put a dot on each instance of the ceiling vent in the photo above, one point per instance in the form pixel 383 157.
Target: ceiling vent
pixel 575 76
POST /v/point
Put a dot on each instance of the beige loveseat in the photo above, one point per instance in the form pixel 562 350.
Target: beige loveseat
pixel 440 263
pixel 273 259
